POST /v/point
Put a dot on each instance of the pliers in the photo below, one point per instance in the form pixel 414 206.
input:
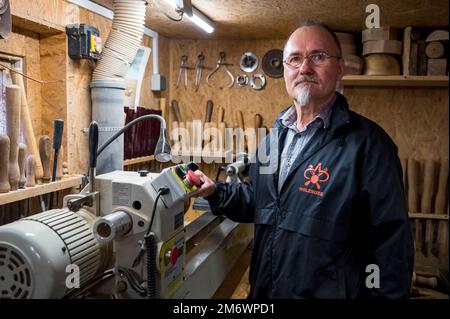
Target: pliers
pixel 198 70
pixel 219 63
pixel 183 66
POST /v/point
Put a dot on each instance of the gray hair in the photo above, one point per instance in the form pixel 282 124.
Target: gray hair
pixel 311 23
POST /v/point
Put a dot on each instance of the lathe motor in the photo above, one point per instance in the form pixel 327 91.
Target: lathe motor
pixel 131 228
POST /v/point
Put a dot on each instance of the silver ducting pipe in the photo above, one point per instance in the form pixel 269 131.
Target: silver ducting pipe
pixel 108 84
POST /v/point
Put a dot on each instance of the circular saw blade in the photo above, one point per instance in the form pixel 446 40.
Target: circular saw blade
pixel 272 63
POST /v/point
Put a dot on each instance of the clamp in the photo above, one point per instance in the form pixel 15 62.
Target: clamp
pixel 183 68
pixel 198 70
pixel 218 65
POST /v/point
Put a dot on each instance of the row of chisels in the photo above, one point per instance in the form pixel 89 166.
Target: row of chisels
pixel 215 137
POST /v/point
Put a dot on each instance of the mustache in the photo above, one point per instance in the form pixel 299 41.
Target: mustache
pixel 306 78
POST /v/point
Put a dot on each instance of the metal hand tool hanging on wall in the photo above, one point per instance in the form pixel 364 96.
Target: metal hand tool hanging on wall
pixel 242 80
pixel 258 81
pixel 183 69
pixel 198 70
pixel 249 62
pixel 221 62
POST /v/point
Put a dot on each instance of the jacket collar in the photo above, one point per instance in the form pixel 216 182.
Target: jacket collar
pixel 340 115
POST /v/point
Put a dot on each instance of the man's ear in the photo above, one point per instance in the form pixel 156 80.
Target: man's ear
pixel 341 68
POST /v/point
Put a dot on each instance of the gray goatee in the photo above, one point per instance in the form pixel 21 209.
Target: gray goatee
pixel 303 96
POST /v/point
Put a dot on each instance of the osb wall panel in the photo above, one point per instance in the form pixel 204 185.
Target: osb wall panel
pixel 25 44
pixel 53 69
pixel 416 118
pixel 268 102
pixel 32 66
pixel 48 12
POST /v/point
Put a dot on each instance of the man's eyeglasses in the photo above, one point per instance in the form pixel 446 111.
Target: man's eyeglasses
pixel 317 59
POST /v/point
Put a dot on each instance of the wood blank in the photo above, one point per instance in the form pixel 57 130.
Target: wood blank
pixel 382 46
pixel 437 67
pixel 383 33
pixel 4 163
pixel 435 50
pixel 437 35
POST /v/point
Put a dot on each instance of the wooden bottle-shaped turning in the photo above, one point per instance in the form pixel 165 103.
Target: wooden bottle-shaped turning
pixel 4 163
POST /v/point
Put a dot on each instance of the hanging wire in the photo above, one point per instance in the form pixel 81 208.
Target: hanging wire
pixel 29 77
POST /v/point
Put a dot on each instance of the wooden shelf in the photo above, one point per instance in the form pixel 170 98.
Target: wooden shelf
pixel 428 216
pixel 396 80
pixel 14 196
pixel 138 160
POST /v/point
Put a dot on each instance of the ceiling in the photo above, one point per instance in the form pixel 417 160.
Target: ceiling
pixel 276 19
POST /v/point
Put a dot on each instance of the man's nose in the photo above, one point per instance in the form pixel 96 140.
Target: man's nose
pixel 305 67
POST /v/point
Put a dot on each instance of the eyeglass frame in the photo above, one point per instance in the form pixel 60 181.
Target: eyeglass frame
pixel 327 56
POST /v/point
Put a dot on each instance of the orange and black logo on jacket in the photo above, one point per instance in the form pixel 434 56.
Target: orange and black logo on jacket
pixel 315 176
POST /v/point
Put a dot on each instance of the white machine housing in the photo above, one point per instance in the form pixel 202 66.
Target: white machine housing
pixel 135 194
pixel 104 235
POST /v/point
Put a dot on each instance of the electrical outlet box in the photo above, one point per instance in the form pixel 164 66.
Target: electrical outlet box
pixel 84 41
pixel 158 82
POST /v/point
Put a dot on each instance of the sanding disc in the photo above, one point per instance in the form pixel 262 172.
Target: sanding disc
pixel 272 63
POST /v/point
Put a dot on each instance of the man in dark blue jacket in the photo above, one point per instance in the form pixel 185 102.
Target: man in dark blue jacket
pixel 325 191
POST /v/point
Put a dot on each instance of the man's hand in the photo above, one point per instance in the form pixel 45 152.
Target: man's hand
pixel 208 188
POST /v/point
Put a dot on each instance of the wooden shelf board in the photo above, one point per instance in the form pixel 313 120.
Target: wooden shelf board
pixel 428 216
pixel 14 196
pixel 395 80
pixel 44 28
pixel 138 160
